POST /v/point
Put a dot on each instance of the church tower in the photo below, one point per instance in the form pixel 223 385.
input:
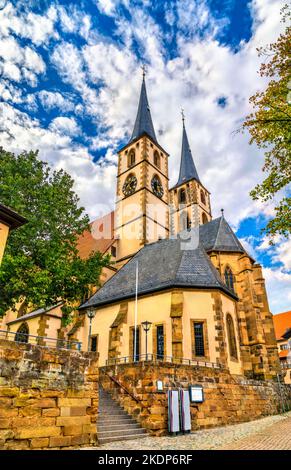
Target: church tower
pixel 189 199
pixel 141 214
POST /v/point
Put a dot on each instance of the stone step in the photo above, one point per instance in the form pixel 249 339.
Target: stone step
pixel 105 440
pixel 120 426
pixel 118 432
pixel 114 423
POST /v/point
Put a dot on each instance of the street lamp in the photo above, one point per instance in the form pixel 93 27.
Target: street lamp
pixel 91 312
pixel 146 326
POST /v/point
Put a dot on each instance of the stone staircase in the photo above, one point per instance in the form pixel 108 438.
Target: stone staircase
pixel 113 423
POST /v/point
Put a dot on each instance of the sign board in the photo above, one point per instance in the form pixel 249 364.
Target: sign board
pixel 160 386
pixel 196 394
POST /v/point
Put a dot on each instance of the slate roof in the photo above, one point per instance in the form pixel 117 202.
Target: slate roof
pixel 218 236
pixel 187 167
pixel 36 313
pixel 162 265
pixel 143 122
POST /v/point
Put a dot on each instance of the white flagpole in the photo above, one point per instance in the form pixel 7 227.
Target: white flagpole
pixel 135 312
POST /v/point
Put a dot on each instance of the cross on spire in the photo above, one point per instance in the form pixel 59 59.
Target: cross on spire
pixel 183 115
pixel 144 70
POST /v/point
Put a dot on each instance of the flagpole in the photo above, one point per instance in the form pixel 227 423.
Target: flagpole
pixel 135 312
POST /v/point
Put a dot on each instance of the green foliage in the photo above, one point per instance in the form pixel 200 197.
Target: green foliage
pixel 270 128
pixel 41 263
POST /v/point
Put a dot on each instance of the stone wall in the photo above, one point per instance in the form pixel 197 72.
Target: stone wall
pixel 228 399
pixel 48 397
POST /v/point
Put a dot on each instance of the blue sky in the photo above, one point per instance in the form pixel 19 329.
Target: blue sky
pixel 69 84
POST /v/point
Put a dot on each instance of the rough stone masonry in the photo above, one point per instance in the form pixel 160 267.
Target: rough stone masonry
pixel 48 397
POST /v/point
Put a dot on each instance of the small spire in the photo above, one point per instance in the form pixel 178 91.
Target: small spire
pixel 222 212
pixel 187 167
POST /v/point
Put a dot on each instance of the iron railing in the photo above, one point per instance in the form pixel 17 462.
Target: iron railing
pixel 159 358
pixel 44 341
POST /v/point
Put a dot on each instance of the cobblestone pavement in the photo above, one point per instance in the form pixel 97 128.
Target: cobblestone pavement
pixel 273 432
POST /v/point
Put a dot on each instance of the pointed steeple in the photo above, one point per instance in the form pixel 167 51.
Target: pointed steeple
pixel 187 167
pixel 143 122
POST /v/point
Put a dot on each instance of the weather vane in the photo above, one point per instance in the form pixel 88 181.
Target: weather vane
pixel 183 115
pixel 144 70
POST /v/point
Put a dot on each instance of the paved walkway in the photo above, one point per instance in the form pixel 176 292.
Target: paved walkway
pixel 273 432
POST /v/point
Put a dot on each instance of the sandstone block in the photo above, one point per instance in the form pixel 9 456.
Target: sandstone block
pixel 29 411
pixel 17 445
pixel 8 412
pixel 74 402
pixel 9 391
pixel 39 442
pixel 60 441
pixel 89 428
pixel 50 412
pixel 72 420
pixel 38 431
pixel 72 430
pixel 80 440
pixel 5 423
pixel 23 422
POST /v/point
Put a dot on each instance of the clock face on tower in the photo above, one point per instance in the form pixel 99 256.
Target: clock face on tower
pixel 130 185
pixel 157 186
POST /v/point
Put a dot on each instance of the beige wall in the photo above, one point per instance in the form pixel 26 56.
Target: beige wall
pixel 33 325
pixel 156 309
pixel 4 231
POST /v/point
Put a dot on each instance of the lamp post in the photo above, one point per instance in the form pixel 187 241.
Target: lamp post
pixel 91 312
pixel 146 326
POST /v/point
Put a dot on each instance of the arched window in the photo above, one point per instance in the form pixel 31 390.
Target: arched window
pixel 229 278
pixel 182 196
pixel 202 197
pixel 157 159
pixel 204 218
pixel 22 333
pixel 185 222
pixel 231 336
pixel 131 158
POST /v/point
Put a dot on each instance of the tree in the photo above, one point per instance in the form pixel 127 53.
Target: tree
pixel 270 128
pixel 41 265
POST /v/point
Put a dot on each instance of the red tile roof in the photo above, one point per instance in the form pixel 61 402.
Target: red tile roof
pixel 100 238
pixel 282 321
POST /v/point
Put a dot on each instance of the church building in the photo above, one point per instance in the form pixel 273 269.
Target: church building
pixel 181 288
pixel 185 288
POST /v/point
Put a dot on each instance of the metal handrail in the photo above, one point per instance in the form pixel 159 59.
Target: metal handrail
pixel 19 337
pixel 161 358
pixel 122 386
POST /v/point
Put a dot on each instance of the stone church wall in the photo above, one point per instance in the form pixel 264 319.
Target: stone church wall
pixel 48 397
pixel 229 399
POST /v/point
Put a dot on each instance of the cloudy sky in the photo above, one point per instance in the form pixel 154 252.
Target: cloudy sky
pixel 69 84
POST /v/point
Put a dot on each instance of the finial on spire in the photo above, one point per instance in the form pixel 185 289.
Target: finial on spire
pixel 183 115
pixel 144 70
pixel 222 212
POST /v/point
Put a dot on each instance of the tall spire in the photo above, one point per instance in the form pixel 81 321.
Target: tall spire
pixel 187 167
pixel 143 122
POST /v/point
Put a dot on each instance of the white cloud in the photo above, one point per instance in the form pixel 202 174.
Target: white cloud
pixel 278 285
pixel 65 125
pixel 38 28
pixel 51 100
pixel 106 79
